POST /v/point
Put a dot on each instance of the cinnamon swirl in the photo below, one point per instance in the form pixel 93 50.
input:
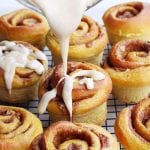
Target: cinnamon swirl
pixel 86 93
pixel 129 68
pixel 133 126
pixel 65 135
pixel 24 25
pixel 128 21
pixel 86 43
pixel 21 66
pixel 18 128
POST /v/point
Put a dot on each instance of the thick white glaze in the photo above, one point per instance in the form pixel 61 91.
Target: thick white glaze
pixel 88 82
pixel 47 97
pixel 92 75
pixel 64 17
pixel 14 55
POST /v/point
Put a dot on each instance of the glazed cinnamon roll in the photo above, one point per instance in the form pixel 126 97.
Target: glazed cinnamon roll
pixel 133 126
pixel 129 68
pixel 24 25
pixel 83 98
pixel 86 43
pixel 128 21
pixel 21 66
pixel 18 128
pixel 65 135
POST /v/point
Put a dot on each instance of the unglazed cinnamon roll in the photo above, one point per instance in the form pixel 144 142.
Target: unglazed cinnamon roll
pixel 129 68
pixel 24 25
pixel 128 21
pixel 18 128
pixel 80 96
pixel 133 126
pixel 65 135
pixel 21 66
pixel 86 43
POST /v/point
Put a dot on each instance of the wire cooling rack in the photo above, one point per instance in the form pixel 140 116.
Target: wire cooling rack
pixel 114 106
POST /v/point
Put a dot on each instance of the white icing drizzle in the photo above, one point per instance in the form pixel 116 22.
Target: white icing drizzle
pixel 88 82
pixel 96 75
pixel 68 87
pixel 67 94
pixel 64 17
pixel 14 55
pixel 47 97
pixel 36 66
pixel 39 55
pixel 7 43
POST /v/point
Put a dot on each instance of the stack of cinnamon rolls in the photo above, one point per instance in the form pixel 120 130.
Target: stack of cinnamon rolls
pixel 24 75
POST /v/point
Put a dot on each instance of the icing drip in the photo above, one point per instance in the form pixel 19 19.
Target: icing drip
pixel 14 55
pixel 47 97
pixel 88 82
pixel 36 66
pixel 96 75
pixel 63 23
pixel 67 94
pixel 68 87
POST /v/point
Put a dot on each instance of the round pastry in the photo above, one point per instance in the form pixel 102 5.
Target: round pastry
pixel 129 68
pixel 82 99
pixel 18 128
pixel 128 21
pixel 65 135
pixel 21 66
pixel 24 25
pixel 86 43
pixel 132 126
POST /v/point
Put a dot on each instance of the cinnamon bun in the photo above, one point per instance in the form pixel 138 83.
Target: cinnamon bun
pixel 86 43
pixel 128 21
pixel 24 25
pixel 86 93
pixel 132 126
pixel 129 68
pixel 21 66
pixel 18 128
pixel 65 135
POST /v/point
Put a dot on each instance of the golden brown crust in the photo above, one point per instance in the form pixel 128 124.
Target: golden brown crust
pixel 83 99
pixel 129 63
pixel 66 135
pixel 24 77
pixel 133 125
pixel 18 128
pixel 24 25
pixel 129 20
pixel 87 41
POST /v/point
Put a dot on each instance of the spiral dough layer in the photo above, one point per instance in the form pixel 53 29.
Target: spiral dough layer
pixel 133 126
pixel 24 25
pixel 18 128
pixel 68 136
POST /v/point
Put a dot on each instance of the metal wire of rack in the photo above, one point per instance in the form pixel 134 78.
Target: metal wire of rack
pixel 113 107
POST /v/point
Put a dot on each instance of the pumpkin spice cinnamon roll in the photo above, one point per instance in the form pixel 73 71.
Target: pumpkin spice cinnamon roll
pixel 21 66
pixel 18 128
pixel 81 95
pixel 65 135
pixel 129 68
pixel 24 25
pixel 133 126
pixel 128 21
pixel 86 43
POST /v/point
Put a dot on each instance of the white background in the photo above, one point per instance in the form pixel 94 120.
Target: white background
pixel 95 12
